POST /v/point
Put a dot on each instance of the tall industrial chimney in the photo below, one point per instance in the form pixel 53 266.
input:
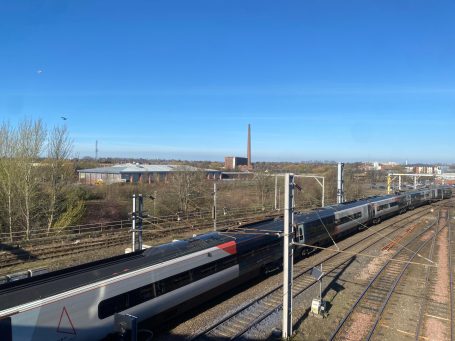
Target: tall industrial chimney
pixel 249 147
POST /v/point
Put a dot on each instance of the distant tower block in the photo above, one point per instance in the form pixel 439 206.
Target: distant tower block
pixel 96 150
pixel 249 148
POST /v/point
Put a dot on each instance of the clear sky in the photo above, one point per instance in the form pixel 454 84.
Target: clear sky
pixel 328 80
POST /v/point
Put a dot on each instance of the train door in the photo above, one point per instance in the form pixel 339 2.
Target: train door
pixel 371 211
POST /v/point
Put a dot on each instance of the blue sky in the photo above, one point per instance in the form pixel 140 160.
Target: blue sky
pixel 326 80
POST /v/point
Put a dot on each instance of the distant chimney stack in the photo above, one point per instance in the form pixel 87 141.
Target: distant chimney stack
pixel 249 147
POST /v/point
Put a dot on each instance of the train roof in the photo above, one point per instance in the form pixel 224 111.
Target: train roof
pixel 178 248
pixel 349 204
pixel 315 214
pixel 34 288
pixel 381 197
pixel 269 227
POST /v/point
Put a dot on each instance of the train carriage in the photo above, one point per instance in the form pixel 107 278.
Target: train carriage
pixel 386 206
pixel 440 193
pixel 351 215
pixel 415 199
pixel 446 192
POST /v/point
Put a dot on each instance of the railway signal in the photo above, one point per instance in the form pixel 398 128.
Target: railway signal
pixel 318 307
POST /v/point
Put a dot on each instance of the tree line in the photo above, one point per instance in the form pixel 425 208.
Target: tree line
pixel 37 190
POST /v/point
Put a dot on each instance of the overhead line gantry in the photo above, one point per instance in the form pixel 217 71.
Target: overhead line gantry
pixel 399 175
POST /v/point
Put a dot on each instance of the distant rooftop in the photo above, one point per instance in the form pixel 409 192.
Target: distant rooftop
pixel 142 168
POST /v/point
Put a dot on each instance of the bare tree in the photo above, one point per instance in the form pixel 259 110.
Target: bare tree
pixel 8 142
pixel 263 183
pixel 59 149
pixel 190 189
pixel 31 137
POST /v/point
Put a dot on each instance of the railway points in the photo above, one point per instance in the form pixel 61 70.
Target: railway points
pixel 368 310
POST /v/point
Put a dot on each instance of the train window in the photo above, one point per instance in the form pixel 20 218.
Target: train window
pixel 126 300
pixel 160 288
pixel 383 207
pixel 113 305
pixel 226 263
pixel 137 296
pixel 177 281
pixel 141 295
pixel 344 220
pixel 349 218
pixel 204 271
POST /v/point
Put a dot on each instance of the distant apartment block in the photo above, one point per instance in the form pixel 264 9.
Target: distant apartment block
pixel 425 169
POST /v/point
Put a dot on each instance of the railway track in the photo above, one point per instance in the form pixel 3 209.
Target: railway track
pixel 374 315
pixel 19 255
pixel 435 319
pixel 238 323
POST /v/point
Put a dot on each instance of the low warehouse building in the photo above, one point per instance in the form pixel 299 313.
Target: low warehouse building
pixel 138 173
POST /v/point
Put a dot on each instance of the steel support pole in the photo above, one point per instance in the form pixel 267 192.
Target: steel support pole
pixel 279 198
pixel 323 192
pixel 276 192
pixel 389 184
pixel 415 182
pixel 340 183
pixel 399 182
pixel 320 286
pixel 214 206
pixel 134 224
pixel 139 233
pixel 154 204
pixel 288 255
pixel 322 184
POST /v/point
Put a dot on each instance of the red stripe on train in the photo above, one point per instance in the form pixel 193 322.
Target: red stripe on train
pixel 229 247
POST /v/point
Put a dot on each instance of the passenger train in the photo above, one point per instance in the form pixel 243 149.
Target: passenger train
pixel 79 303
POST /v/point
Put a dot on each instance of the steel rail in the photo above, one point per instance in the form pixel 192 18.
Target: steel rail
pixel 351 310
pixel 425 288
pixel 397 280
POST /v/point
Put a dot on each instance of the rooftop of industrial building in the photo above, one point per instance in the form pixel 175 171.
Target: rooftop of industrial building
pixel 144 168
